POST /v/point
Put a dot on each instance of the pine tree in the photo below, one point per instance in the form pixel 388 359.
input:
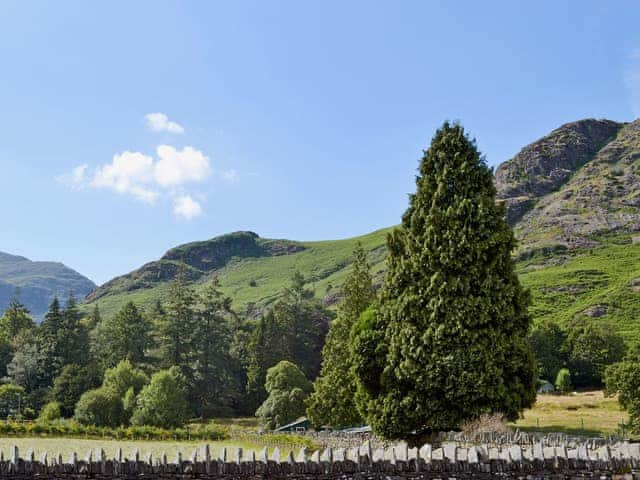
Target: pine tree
pixel 213 389
pixel 177 334
pixel 124 336
pixel 333 399
pixel 73 337
pixel 452 321
pixel 48 340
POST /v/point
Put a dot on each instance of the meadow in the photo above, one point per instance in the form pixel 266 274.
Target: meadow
pixel 584 413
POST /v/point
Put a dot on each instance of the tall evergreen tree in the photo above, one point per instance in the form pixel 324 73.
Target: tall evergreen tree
pixel 453 318
pixel 73 337
pixel 333 398
pixel 213 389
pixel 177 332
pixel 124 336
pixel 48 344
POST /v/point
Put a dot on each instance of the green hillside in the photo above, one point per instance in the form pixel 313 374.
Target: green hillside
pixel 258 280
pixel 573 198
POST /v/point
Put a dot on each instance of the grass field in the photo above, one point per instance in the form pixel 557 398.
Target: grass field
pixel 585 413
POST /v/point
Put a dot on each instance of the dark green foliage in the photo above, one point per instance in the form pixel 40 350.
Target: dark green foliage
pixel 101 407
pixel 162 403
pixel 176 331
pixel 215 386
pixel 563 381
pixel 12 400
pixel 287 388
pixel 125 336
pixel 547 343
pixel 294 329
pixel 69 386
pixel 623 379
pixel 590 348
pixel 452 312
pixel 333 399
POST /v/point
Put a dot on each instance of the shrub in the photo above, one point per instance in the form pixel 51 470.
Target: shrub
pixel 563 381
pixel 101 407
pixel 50 412
pixel 162 402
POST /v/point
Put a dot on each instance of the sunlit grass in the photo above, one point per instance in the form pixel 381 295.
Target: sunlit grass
pixel 587 413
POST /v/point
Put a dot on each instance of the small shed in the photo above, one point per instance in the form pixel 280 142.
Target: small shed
pixel 545 387
pixel 300 425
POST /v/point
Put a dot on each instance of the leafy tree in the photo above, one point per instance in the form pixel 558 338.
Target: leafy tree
pixel 50 412
pixel 124 336
pixel 162 403
pixel 452 313
pixel 590 349
pixel 547 344
pixel 12 400
pixel 288 388
pixel 15 319
pixel 101 407
pixel 123 377
pixel 623 379
pixel 214 387
pixel 333 398
pixel 69 386
pixel 563 381
pixel 29 367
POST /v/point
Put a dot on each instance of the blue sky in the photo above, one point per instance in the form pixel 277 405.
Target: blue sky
pixel 300 120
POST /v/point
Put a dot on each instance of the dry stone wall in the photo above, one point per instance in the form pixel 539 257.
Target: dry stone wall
pixel 447 462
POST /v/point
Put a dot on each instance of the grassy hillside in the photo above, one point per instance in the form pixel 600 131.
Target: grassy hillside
pixel 602 283
pixel 326 263
pixel 573 198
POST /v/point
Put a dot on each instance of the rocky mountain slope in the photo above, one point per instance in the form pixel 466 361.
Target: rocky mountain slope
pixel 36 283
pixel 573 198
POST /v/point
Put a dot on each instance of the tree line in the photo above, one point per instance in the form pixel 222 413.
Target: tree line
pixel 192 357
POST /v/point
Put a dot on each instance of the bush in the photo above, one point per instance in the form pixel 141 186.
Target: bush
pixel 50 412
pixel 563 381
pixel 162 402
pixel 123 377
pixel 101 407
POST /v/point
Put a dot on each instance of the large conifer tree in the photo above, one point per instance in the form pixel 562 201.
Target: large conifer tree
pixel 453 317
pixel 333 399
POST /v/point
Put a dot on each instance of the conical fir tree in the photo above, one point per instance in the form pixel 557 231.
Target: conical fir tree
pixel 333 399
pixel 453 317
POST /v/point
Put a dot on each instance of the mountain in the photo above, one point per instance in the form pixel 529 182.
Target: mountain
pixel 36 283
pixel 573 198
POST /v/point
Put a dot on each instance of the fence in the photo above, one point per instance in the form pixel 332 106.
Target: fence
pixel 449 461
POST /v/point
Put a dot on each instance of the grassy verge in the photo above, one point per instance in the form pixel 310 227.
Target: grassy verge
pixel 585 413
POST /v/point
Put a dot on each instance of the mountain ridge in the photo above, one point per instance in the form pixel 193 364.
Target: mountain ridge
pixel 573 190
pixel 35 283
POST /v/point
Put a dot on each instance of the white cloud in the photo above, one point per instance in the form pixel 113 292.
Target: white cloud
pixel 175 167
pixel 75 178
pixel 186 207
pixel 128 172
pixel 159 122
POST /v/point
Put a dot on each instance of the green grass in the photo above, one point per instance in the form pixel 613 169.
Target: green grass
pixel 585 413
pixel 599 276
pixel 325 263
pixel 66 446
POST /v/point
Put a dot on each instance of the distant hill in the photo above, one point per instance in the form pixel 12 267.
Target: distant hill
pixel 573 198
pixel 36 283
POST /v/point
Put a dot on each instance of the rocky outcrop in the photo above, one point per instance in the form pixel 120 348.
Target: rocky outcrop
pixel 545 165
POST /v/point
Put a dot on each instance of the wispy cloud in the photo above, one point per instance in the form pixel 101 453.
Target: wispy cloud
pixel 75 178
pixel 159 122
pixel 184 206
